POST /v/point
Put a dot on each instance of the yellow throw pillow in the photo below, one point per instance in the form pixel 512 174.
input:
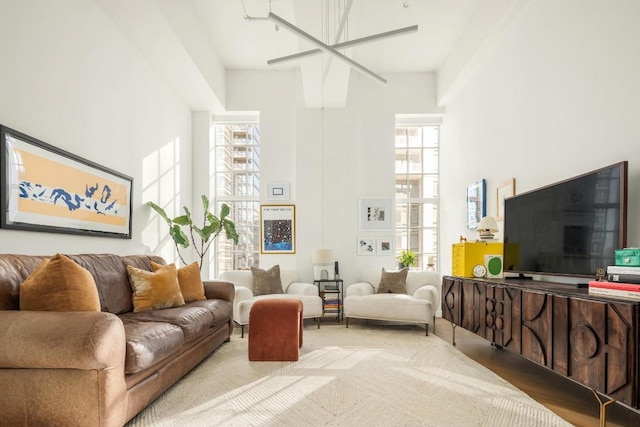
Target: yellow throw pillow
pixel 189 280
pixel 155 289
pixel 59 284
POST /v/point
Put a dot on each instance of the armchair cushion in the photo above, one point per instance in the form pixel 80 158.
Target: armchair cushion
pixel 266 282
pixel 393 282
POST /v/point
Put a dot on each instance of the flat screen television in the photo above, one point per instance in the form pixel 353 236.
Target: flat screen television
pixel 570 228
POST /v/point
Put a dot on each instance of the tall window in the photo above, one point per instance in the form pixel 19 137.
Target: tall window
pixel 416 165
pixel 237 183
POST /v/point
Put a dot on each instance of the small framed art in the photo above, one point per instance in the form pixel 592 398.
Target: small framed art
pixel 384 246
pixel 476 203
pixel 278 191
pixel 366 246
pixel 375 213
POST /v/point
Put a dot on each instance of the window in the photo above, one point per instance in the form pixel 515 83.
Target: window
pixel 416 174
pixel 236 180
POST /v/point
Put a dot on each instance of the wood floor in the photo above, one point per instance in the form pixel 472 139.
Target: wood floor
pixel 573 402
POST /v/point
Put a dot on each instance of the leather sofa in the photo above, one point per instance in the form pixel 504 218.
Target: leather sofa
pixel 292 288
pixel 83 368
pixel 419 305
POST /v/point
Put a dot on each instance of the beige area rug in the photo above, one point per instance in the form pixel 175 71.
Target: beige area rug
pixel 361 376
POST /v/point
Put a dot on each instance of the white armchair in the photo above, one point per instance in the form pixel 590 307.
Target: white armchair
pixel 419 305
pixel 244 298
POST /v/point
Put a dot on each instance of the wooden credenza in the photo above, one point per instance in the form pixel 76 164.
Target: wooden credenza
pixel 591 340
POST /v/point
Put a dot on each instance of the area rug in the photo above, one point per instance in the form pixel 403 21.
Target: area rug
pixel 360 376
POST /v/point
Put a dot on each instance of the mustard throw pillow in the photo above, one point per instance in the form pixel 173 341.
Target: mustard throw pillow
pixel 189 280
pixel 393 282
pixel 266 282
pixel 59 284
pixel 155 289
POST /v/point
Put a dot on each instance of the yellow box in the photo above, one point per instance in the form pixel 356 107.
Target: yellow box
pixel 466 255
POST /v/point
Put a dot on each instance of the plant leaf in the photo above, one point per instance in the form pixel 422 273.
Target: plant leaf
pixel 200 233
pixel 230 231
pixel 178 236
pixel 182 220
pixel 224 211
pixel 205 203
pixel 160 211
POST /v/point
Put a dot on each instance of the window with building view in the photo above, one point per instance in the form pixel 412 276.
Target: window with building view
pixel 236 179
pixel 416 174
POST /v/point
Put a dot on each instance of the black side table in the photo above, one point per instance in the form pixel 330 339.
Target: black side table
pixel 331 294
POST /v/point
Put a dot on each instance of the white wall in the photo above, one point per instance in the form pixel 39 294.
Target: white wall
pixel 331 158
pixel 71 79
pixel 558 97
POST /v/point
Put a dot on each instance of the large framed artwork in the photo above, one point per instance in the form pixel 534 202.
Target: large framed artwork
pixel 44 188
pixel 476 203
pixel 278 229
pixel 375 213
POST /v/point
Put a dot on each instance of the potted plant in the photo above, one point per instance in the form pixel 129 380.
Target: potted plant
pixel 406 258
pixel 211 227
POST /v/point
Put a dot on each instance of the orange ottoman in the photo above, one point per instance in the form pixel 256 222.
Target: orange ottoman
pixel 275 330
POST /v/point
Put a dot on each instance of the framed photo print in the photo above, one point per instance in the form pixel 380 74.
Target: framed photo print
pixel 375 213
pixel 278 191
pixel 366 246
pixel 48 189
pixel 504 190
pixel 476 204
pixel 278 229
pixel 384 246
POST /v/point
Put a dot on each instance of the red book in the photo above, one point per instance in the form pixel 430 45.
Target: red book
pixel 631 287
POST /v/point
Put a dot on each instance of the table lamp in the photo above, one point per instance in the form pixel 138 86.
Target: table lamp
pixel 487 227
pixel 322 260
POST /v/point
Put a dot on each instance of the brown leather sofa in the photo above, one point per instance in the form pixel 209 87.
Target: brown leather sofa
pixel 99 368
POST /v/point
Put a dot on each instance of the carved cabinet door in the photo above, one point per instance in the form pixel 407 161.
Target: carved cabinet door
pixel 537 333
pixel 601 351
pixel 451 299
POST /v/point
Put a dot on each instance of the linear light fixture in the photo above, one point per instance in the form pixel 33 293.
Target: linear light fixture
pixel 350 43
pixel 326 48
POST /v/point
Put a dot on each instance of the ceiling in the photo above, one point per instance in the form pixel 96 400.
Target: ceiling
pixel 193 43
pixel 242 43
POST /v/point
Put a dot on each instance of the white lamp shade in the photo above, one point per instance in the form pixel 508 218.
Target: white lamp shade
pixel 322 257
pixel 488 223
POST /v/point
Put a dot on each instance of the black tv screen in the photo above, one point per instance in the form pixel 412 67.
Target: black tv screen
pixel 569 228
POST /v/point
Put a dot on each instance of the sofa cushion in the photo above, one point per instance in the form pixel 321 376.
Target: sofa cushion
pixel 191 319
pixel 155 290
pixel 149 342
pixel 393 282
pixel 59 284
pixel 189 280
pixel 221 311
pixel 266 282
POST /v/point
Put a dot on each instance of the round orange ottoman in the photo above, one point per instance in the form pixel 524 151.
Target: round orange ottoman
pixel 275 330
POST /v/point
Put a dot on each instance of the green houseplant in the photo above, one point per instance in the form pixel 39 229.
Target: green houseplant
pixel 407 258
pixel 211 227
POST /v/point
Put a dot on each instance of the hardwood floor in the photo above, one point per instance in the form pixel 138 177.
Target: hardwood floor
pixel 573 402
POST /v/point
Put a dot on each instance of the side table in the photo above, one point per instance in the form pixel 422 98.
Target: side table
pixel 331 293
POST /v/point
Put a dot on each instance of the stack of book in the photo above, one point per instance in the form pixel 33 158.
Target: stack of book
pixel 622 282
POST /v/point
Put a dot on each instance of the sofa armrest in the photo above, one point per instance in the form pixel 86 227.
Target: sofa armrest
pixel 299 288
pixel 360 289
pixel 217 289
pixel 69 340
pixel 70 368
pixel 428 292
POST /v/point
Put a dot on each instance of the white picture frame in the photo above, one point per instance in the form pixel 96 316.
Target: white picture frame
pixel 366 246
pixel 376 213
pixel 278 191
pixel 384 246
pixel 504 190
